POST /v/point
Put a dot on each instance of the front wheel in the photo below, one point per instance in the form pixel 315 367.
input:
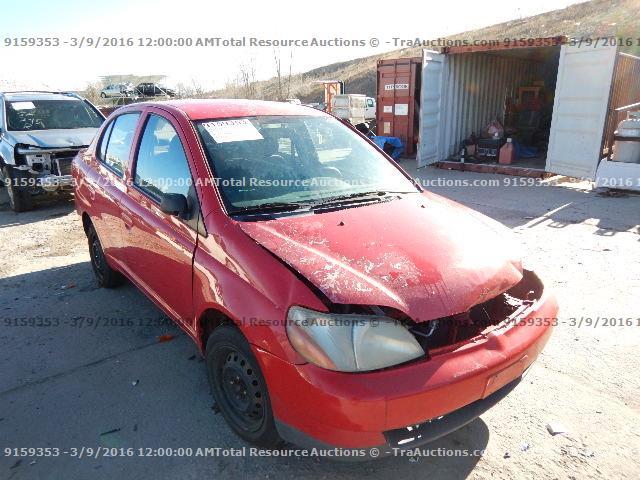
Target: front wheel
pixel 107 277
pixel 239 387
pixel 19 197
pixel 103 95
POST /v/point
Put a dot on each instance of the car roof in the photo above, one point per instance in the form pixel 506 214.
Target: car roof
pixel 199 109
pixel 26 96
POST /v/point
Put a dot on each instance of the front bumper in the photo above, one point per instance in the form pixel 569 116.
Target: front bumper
pixel 54 182
pixel 317 407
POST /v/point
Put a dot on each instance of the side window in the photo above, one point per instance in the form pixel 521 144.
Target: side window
pixel 116 142
pixel 369 102
pixel 161 166
pixel 102 151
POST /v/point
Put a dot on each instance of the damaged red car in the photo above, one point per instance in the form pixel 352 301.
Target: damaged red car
pixel 336 302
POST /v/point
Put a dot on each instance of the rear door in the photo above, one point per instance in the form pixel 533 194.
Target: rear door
pixel 160 247
pixel 104 187
pixel 430 142
pixel 580 109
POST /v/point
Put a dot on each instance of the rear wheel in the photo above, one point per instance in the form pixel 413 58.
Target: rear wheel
pixel 239 387
pixel 107 277
pixel 19 197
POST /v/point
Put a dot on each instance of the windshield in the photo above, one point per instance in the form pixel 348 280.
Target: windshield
pixel 276 160
pixel 50 114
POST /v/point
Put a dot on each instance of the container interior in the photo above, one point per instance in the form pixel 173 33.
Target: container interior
pixel 494 95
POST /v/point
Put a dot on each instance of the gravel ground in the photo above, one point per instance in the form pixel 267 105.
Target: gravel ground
pixel 78 384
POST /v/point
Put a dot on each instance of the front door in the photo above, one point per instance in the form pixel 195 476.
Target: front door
pixel 160 247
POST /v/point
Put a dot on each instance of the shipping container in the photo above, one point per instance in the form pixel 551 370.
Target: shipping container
pixel 570 94
pixel 398 100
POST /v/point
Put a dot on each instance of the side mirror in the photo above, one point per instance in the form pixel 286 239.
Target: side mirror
pixel 174 204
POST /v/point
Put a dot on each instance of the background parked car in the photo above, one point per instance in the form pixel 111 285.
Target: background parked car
pixel 154 90
pixel 40 133
pixel 117 90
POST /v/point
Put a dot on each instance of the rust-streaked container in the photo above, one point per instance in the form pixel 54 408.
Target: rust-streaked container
pixel 398 99
pixel 625 91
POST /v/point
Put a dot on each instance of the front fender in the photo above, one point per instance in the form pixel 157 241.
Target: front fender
pixel 237 277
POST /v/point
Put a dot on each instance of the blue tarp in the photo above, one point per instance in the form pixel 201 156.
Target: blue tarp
pixel 395 142
pixel 524 151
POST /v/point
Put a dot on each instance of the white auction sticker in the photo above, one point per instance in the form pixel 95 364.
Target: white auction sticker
pixel 239 130
pixel 23 105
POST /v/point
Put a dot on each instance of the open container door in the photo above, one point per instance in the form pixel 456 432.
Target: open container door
pixel 430 144
pixel 580 109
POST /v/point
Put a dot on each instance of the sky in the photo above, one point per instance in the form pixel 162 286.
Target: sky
pixel 69 67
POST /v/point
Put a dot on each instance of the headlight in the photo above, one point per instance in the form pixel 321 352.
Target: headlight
pixel 350 343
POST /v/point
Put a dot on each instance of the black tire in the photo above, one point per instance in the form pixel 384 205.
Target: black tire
pixel 239 388
pixel 107 277
pixel 103 95
pixel 20 199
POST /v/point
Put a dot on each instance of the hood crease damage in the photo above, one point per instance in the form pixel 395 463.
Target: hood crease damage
pixel 365 256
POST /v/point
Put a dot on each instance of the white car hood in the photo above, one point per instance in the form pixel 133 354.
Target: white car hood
pixel 76 137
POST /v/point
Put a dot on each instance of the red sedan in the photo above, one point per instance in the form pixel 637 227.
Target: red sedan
pixel 336 302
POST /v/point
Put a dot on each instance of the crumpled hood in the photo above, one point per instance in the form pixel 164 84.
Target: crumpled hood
pixel 423 255
pixel 76 137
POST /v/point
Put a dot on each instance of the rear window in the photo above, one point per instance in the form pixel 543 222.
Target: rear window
pixel 25 115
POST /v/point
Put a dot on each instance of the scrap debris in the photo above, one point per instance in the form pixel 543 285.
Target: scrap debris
pixel 554 428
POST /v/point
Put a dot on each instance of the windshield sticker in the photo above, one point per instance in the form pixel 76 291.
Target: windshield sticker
pixel 224 131
pixel 23 105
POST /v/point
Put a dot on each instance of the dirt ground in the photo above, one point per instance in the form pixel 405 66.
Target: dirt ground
pixel 75 383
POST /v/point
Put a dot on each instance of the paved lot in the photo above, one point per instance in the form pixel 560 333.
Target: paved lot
pixel 76 384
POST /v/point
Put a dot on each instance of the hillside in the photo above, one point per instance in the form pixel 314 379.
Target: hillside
pixel 597 18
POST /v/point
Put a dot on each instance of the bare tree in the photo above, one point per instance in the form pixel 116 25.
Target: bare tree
pixel 276 59
pixel 247 79
pixel 198 90
pixel 92 92
pixel 289 79
pixel 283 85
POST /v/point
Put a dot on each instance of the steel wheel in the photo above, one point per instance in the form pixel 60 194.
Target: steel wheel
pixel 97 256
pixel 242 393
pixel 106 276
pixel 239 387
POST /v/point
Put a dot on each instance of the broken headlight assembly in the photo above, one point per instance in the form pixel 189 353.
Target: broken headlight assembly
pixel 350 342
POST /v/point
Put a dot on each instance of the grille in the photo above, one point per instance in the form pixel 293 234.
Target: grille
pixel 63 161
pixel 64 166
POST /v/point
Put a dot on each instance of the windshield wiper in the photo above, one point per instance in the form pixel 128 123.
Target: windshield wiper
pixel 358 196
pixel 270 207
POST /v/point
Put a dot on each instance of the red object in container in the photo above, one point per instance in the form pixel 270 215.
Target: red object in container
pixel 507 153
